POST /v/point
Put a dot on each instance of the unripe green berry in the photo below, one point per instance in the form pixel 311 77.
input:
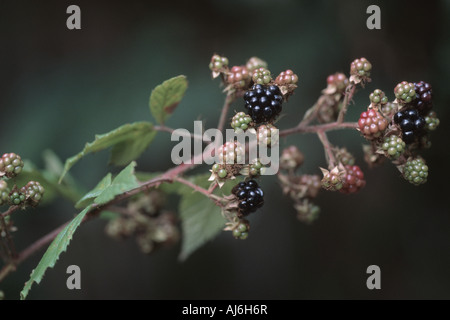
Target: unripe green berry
pixel 378 97
pixel 415 171
pixel 243 236
pixel 389 109
pixel 242 227
pixel 16 198
pixel 11 165
pixel 404 92
pixel 393 146
pixel 241 230
pixel 4 192
pixel 33 192
pixel 432 121
pixel 255 168
pixel 241 121
pixel 361 68
pixel 222 173
pixel 217 63
pixel 255 63
pixel 236 233
pixel 261 76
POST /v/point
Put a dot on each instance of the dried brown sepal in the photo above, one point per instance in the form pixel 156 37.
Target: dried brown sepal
pixel 333 179
pixel 371 156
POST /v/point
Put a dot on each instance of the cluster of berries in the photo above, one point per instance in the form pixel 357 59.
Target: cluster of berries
pixel 147 223
pixel 31 194
pixel 301 188
pixel 263 97
pixel 398 129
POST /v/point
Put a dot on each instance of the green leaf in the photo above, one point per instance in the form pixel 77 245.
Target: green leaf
pixel 89 197
pixel 51 256
pixel 118 138
pixel 130 149
pixel 201 219
pixel 123 182
pixel 166 97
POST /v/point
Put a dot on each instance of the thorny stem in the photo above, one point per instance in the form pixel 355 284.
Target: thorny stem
pixel 168 177
pixel 10 210
pixel 4 250
pixel 349 92
pixel 197 188
pixel 327 147
pixel 213 187
pixel 11 248
pixel 319 127
pixel 173 174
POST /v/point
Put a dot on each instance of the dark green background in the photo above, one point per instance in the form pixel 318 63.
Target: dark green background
pixel 60 87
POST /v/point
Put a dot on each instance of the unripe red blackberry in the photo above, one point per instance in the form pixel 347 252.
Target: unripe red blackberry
pixel 378 97
pixel 4 192
pixel 404 92
pixel 338 82
pixel 255 63
pixel 241 121
pixel 261 76
pixel 291 158
pixel 415 171
pixel 250 196
pixel 393 146
pixel 10 165
pixel 432 121
pixel 267 135
pixel 231 153
pixel 353 180
pixel 264 103
pixel 424 96
pixel 239 77
pixel 286 77
pixel 361 68
pixel 372 124
pixel 33 192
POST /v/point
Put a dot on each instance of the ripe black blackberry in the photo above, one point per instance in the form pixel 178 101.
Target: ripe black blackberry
pixel 263 103
pixel 411 124
pixel 250 195
pixel 424 95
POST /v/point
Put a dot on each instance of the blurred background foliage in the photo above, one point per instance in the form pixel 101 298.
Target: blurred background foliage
pixel 60 87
